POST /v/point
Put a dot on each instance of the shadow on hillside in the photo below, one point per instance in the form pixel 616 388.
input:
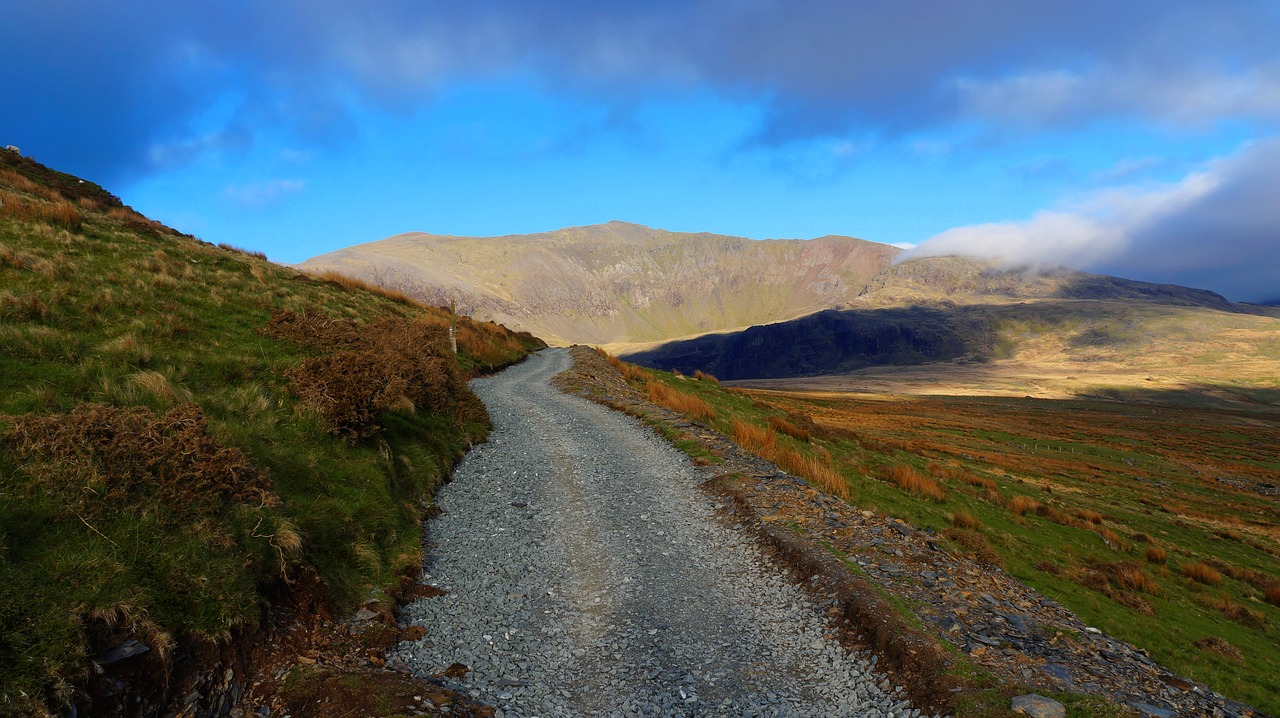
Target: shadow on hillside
pixel 831 342
pixel 1102 287
pixel 843 341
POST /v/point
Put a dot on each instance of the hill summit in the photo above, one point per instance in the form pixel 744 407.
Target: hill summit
pixel 618 282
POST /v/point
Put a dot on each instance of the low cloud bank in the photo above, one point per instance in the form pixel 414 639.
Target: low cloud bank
pixel 1217 229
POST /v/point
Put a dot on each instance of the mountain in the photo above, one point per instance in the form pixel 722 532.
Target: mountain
pixel 617 282
pixel 978 323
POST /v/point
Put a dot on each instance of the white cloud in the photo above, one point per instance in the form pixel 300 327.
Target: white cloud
pixel 258 195
pixel 1216 229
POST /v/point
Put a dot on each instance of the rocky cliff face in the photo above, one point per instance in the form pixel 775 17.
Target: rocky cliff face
pixel 618 282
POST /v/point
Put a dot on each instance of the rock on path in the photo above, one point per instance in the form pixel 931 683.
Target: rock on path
pixel 586 575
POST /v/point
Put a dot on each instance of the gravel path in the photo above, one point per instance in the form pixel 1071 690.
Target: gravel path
pixel 587 575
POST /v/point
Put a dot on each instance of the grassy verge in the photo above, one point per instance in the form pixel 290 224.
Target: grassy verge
pixel 168 460
pixel 1146 521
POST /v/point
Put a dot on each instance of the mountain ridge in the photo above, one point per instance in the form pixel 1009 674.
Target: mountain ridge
pixel 618 281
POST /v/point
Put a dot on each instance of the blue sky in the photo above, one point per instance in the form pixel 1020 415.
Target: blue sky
pixel 1137 138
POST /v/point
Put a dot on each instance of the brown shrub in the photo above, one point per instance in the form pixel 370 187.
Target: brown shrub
pixel 392 365
pixel 976 544
pixel 703 376
pixel 312 329
pixel 1156 554
pixel 680 402
pixel 1221 646
pixel 1201 573
pixel 908 479
pixel 782 426
pixel 1022 504
pixel 965 520
pixel 100 456
pixel 1273 595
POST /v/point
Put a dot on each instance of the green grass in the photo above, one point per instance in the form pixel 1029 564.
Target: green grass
pixel 115 316
pixel 1149 471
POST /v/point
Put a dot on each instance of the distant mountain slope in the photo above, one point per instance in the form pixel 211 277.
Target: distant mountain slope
pixel 965 310
pixel 618 282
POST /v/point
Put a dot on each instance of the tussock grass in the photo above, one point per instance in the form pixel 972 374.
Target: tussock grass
pixel 680 401
pixel 907 478
pixel 1201 573
pixel 703 376
pixel 1021 505
pixel 1155 554
pixel 783 426
pixel 965 520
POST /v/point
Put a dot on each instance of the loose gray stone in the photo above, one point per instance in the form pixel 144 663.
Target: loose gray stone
pixel 1037 706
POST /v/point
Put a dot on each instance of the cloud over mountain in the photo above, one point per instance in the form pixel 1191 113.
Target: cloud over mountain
pixel 1218 229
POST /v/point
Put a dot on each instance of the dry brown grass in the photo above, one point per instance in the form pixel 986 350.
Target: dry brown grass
pixel 1220 646
pixel 703 376
pixel 100 456
pixel 782 426
pixel 1092 517
pixel 956 473
pixel 1057 516
pixel 391 365
pixel 1122 582
pixel 995 498
pixel 1155 554
pixel 1272 595
pixel 680 402
pixel 755 439
pixel 1020 505
pixel 241 250
pixel 813 468
pixel 1113 540
pixel 360 285
pixel 1130 575
pixel 907 478
pixel 1201 573
pixel 965 520
pixel 58 212
pixel 1240 614
pixel 976 544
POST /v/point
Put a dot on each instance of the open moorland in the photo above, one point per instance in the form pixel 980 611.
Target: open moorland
pixel 1158 523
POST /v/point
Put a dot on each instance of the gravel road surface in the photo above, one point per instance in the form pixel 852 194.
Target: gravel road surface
pixel 587 575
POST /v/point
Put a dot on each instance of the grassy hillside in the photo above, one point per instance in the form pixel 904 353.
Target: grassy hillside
pixel 618 282
pixel 1158 524
pixel 186 430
